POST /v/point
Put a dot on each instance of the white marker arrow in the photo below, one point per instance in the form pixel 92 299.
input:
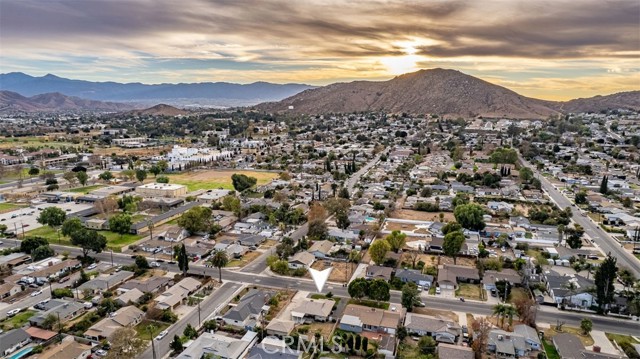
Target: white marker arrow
pixel 320 277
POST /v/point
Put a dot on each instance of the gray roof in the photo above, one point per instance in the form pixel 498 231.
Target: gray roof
pixel 568 345
pixel 250 304
pixel 413 275
pixel 509 343
pixel 259 352
pixel 168 214
pixel 63 310
pixel 11 338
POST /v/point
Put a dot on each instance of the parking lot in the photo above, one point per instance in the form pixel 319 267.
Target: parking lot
pixel 25 219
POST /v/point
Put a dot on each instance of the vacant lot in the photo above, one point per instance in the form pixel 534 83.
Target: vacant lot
pixel 518 293
pixel 246 259
pixel 114 240
pixel 18 320
pixel 147 326
pixel 6 207
pixel 434 260
pixel 214 179
pixel 341 271
pixel 32 142
pixel 437 313
pixel 470 291
pixel 422 216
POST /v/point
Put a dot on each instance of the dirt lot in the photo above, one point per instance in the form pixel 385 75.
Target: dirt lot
pixel 341 271
pixel 422 216
pixel 211 179
pixel 246 259
pixel 437 313
pixel 324 328
pixel 432 260
pixel 284 298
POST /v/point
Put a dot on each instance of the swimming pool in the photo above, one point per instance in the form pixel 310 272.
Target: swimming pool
pixel 369 219
pixel 20 353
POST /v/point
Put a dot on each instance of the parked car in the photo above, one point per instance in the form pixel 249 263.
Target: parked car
pixel 64 279
pixel 36 293
pixel 438 290
pixel 13 312
pixel 101 352
pixel 92 266
pixel 162 334
pixel 154 264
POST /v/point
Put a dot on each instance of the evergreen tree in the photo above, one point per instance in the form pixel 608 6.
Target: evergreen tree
pixel 604 278
pixel 604 185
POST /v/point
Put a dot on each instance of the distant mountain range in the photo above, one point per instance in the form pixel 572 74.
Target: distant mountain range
pixel 440 91
pixel 182 94
pixel 55 102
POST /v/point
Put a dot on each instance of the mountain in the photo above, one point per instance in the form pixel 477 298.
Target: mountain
pixel 159 110
pixel 621 100
pixel 436 91
pixel 54 102
pixel 206 93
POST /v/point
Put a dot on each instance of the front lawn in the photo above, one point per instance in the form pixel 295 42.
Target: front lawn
pixel 143 331
pixel 18 320
pixel 5 206
pixel 114 240
pixel 517 293
pixel 470 291
pixel 246 259
pixel 552 353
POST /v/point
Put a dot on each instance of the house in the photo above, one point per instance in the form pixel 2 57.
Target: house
pixel 66 310
pixel 248 312
pixel 152 285
pixel 67 349
pixel 39 335
pixel 267 351
pixel 301 260
pixel 451 351
pixel 343 235
pixel 280 328
pixel 174 296
pixel 570 346
pixel 574 290
pixel 357 318
pixel 415 276
pixel 106 282
pixel 443 331
pixel 13 340
pixel 9 289
pixel 491 277
pixel 530 336
pixel 253 240
pixel 311 310
pixel 387 345
pixel 175 234
pixel 125 317
pixel 131 296
pixel 321 249
pixel 219 346
pixel 379 272
pixel 450 275
pixel 500 206
pixel 506 344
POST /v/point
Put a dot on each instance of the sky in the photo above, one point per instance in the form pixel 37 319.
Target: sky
pixel 554 50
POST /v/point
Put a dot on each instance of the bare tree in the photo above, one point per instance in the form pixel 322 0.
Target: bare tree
pixel 481 328
pixel 125 344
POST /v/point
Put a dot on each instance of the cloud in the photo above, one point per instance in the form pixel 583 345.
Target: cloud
pixel 319 40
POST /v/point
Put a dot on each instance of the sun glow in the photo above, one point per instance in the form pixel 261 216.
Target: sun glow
pixel 397 65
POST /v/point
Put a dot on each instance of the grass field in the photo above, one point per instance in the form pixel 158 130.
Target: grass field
pixel 246 259
pixel 552 353
pixel 10 142
pixel 214 179
pixel 18 320
pixel 370 303
pixel 85 189
pixel 4 207
pixel 114 241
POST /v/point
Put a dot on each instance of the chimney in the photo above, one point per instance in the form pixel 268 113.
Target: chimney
pixel 508 337
pixel 596 349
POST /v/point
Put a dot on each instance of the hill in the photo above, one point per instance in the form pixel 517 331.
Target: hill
pixel 54 102
pixel 160 110
pixel 435 91
pixel 621 100
pixel 204 93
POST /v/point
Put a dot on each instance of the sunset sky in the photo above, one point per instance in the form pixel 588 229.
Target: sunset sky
pixel 545 49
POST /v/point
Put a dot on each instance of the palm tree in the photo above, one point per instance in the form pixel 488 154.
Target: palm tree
pixel 560 233
pixel 509 311
pixel 219 260
pixel 499 310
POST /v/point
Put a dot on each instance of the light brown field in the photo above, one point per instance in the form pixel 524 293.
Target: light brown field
pixel 422 216
pixel 341 272
pixel 213 179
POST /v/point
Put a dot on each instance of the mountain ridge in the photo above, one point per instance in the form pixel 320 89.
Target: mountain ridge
pixel 439 91
pixel 231 93
pixel 55 102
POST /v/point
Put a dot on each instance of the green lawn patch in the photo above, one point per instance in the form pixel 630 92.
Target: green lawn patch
pixel 85 189
pixel 114 240
pixel 5 206
pixel 18 320
pixel 517 293
pixel 620 338
pixel 143 328
pixel 552 353
pixel 370 303
pixel 322 296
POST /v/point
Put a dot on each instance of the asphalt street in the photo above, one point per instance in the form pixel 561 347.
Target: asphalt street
pixel 597 234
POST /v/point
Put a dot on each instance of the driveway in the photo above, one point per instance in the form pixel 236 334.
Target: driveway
pixel 603 342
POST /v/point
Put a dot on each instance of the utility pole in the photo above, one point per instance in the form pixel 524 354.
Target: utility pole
pixel 112 257
pixel 153 348
pixel 199 320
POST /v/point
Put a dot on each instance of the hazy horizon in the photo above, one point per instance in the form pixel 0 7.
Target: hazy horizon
pixel 554 50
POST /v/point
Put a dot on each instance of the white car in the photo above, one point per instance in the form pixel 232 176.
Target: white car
pixel 101 352
pixel 36 293
pixel 162 334
pixel 155 264
pixel 438 290
pixel 13 312
pixel 92 266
